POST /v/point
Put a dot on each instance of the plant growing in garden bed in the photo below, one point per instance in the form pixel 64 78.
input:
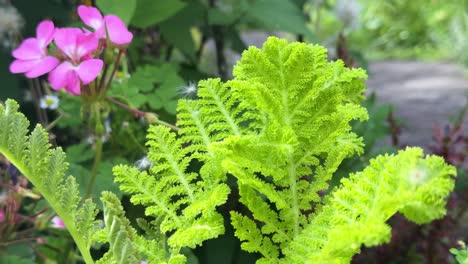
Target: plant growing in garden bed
pixel 280 127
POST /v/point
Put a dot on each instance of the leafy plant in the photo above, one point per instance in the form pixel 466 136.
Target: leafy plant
pixel 461 255
pixel 281 128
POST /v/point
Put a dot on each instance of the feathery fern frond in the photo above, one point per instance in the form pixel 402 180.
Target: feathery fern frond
pixel 307 103
pixel 119 233
pixel 356 212
pixel 184 202
pixel 45 168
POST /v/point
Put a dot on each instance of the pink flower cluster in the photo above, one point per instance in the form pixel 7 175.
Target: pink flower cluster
pixel 76 60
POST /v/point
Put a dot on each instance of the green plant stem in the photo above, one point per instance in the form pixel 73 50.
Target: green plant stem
pixel 97 161
pixel 141 113
pixel 53 123
pixel 103 77
pixel 114 70
pixel 126 107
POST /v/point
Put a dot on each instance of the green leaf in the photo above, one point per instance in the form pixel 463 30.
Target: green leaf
pixel 280 15
pixel 177 29
pixel 159 85
pixel 14 259
pixel 218 17
pixel 152 12
pixel 79 153
pixel 104 179
pixel 132 96
pixel 121 8
pixel 70 106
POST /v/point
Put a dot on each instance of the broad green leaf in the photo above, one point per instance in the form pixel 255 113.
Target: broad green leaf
pixel 130 95
pixel 177 29
pixel 79 153
pixel 70 106
pixel 121 8
pixel 14 260
pixel 152 12
pixel 218 17
pixel 104 179
pixel 281 15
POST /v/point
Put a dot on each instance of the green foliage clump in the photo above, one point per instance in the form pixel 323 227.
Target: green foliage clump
pixel 281 127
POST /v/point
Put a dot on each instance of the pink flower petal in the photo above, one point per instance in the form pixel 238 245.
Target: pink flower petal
pixel 74 85
pixel 117 31
pixel 45 33
pixel 89 70
pixel 86 43
pixel 28 50
pixel 65 39
pixel 60 76
pixel 21 66
pixel 75 43
pixel 2 215
pixel 91 16
pixel 57 222
pixel 43 66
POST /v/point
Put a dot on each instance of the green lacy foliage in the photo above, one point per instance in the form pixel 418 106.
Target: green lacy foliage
pixel 45 168
pixel 461 255
pixel 281 127
pixel 118 232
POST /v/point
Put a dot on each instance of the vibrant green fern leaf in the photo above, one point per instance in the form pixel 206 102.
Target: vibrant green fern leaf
pixel 184 202
pixel 307 104
pixel 45 168
pixel 118 231
pixel 356 212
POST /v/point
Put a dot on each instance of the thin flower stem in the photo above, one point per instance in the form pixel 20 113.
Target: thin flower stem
pixel 53 123
pixel 103 77
pixel 141 113
pixel 114 70
pixel 22 240
pixel 97 161
pixel 129 108
pixel 36 88
pixel 171 126
pixel 97 154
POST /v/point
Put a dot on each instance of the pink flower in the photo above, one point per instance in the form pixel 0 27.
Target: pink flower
pixel 78 47
pixel 2 215
pixel 31 56
pixel 116 29
pixel 57 222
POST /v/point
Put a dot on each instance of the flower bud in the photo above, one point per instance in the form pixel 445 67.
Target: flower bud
pixel 150 118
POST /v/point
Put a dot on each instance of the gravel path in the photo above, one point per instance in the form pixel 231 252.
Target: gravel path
pixel 424 94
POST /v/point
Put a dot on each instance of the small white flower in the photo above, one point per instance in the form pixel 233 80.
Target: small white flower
pixel 90 139
pixel 107 126
pixel 121 76
pixel 188 90
pixel 143 163
pixel 49 102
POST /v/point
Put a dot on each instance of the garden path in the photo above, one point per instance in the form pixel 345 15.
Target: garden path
pixel 424 94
